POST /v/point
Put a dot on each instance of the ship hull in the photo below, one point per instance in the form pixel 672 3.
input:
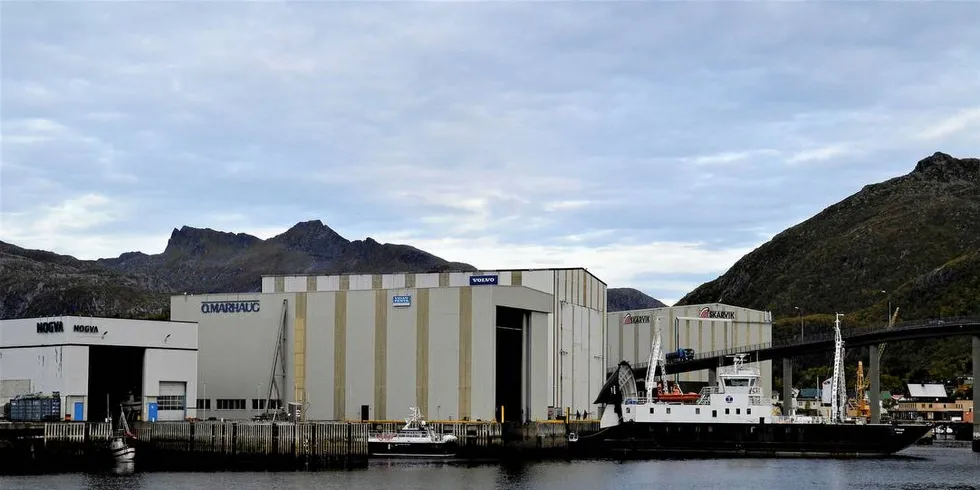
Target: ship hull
pixel 411 449
pixel 663 439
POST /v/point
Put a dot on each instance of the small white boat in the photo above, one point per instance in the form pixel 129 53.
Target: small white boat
pixel 123 455
pixel 415 439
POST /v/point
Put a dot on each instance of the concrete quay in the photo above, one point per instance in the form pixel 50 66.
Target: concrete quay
pixel 27 448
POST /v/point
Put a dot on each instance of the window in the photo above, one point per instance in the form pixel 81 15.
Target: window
pixel 275 404
pixel 230 404
pixel 204 404
pixel 748 411
pixel 714 413
pixel 668 410
pixel 728 411
pixel 697 411
pixel 170 402
pixel 738 411
pixel 258 404
pixel 651 409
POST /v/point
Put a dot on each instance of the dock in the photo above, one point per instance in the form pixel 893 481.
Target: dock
pixel 271 446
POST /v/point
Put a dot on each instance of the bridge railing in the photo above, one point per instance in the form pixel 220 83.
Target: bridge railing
pixel 825 336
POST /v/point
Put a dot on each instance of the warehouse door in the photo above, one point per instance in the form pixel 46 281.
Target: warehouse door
pixel 510 365
pixel 172 400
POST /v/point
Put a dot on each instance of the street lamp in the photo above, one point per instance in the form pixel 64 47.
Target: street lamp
pixel 888 315
pixel 801 321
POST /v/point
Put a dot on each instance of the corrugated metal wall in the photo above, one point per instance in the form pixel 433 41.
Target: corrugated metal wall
pixel 682 327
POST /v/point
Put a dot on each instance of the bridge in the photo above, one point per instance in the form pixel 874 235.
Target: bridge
pixel 787 349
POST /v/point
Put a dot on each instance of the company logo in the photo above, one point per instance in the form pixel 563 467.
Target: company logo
pixel 483 280
pixel 50 327
pixel 85 329
pixel 251 306
pixel 729 399
pixel 706 312
pixel 398 301
pixel 629 319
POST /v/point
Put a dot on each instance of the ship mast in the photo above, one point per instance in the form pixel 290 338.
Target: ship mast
pixel 838 392
pixel 655 361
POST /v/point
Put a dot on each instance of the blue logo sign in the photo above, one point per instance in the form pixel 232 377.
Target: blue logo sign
pixel 729 398
pixel 250 306
pixel 401 301
pixel 483 280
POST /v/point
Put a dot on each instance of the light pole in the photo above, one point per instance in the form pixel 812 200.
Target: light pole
pixel 888 315
pixel 801 321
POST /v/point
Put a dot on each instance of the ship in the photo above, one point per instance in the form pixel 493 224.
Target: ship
pixel 729 419
pixel 123 455
pixel 416 439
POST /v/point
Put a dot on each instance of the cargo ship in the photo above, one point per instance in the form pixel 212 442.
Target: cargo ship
pixel 731 419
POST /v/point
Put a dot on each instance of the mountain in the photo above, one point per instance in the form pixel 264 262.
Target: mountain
pixel 200 260
pixel 39 283
pixel 622 299
pixel 911 242
pixel 883 238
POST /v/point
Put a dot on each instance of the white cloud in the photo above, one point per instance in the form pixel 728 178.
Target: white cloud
pixel 615 263
pixel 964 120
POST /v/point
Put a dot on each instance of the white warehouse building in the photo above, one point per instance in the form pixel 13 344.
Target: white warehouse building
pixel 703 328
pixel 98 363
pixel 458 345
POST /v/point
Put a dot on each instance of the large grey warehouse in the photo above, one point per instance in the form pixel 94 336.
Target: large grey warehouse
pixel 458 345
pixel 704 328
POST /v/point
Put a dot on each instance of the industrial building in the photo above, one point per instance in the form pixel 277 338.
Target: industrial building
pixel 703 328
pixel 458 345
pixel 94 364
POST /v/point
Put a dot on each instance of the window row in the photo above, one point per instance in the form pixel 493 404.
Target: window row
pixel 235 404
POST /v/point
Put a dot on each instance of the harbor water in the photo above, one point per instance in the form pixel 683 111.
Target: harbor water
pixel 941 466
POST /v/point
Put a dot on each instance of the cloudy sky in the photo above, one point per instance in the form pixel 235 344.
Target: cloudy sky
pixel 654 144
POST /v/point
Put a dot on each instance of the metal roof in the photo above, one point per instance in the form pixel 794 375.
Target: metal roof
pixel 922 390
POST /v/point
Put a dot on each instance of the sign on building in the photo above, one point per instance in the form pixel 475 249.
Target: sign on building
pixel 707 313
pixel 483 280
pixel 250 306
pixel 400 301
pixel 631 319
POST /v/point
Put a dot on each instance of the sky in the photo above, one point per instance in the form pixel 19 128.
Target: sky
pixel 653 143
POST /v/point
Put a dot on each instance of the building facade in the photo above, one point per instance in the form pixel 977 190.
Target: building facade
pixel 703 328
pixel 458 345
pixel 95 364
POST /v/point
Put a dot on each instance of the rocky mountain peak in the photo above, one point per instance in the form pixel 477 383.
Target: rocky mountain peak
pixel 312 237
pixel 199 241
pixel 942 167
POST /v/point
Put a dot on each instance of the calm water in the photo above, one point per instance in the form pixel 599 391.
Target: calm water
pixel 935 467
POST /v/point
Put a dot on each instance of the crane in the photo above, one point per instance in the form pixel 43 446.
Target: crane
pixel 860 385
pixel 838 391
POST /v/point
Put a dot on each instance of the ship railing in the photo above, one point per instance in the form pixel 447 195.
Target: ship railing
pixel 797 419
pixel 704 397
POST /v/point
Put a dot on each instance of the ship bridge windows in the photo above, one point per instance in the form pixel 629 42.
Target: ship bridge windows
pixel 737 382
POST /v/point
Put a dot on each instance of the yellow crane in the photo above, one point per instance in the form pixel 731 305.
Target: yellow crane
pixel 860 386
